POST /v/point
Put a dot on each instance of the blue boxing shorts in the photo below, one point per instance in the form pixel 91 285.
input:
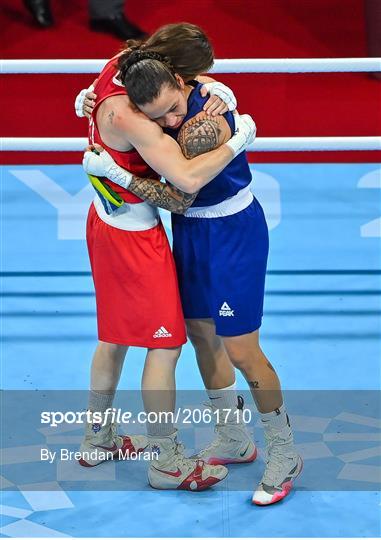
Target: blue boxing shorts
pixel 221 266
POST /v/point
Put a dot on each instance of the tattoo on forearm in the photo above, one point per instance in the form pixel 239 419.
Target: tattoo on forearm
pixel 254 384
pixel 162 195
pixel 198 136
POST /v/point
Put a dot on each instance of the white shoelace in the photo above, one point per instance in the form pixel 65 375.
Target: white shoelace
pixel 180 459
pixel 276 460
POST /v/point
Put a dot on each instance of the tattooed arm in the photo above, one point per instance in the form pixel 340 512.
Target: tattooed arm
pixel 161 194
pixel 197 136
pixel 201 134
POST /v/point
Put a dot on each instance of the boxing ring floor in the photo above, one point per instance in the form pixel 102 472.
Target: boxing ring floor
pixel 321 330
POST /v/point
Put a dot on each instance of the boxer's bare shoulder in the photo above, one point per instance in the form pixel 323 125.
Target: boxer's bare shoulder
pixel 116 118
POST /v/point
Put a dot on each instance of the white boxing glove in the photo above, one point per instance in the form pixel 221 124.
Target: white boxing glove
pixel 244 134
pixel 102 164
pixel 79 100
pixel 223 92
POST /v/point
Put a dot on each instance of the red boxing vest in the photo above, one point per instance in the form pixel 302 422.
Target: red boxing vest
pixel 108 85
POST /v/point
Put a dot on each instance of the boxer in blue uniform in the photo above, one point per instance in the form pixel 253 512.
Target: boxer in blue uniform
pixel 220 246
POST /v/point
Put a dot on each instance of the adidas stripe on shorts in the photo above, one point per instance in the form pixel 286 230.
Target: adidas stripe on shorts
pixel 221 267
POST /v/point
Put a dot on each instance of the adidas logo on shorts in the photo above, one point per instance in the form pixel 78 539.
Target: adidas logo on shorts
pixel 162 332
pixel 225 310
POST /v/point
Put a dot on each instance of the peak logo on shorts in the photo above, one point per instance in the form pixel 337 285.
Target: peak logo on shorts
pixel 162 332
pixel 225 310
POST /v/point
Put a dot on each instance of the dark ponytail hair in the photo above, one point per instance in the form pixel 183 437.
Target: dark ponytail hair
pixel 143 73
pixel 182 49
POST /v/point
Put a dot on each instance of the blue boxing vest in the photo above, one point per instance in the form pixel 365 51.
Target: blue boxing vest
pixel 234 177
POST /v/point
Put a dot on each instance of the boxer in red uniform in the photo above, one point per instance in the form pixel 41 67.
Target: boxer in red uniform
pixel 144 323
pixel 133 270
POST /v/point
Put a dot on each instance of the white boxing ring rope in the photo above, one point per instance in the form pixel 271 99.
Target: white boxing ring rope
pixel 241 65
pixel 233 65
pixel 261 144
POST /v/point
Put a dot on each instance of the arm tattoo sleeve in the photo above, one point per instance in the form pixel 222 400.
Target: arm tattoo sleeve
pixel 160 194
pixel 199 135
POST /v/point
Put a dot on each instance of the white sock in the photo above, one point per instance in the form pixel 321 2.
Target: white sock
pixel 160 429
pixel 277 419
pixel 99 402
pixel 225 398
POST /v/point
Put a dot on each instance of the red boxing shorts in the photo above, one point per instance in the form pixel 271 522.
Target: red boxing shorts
pixel 136 288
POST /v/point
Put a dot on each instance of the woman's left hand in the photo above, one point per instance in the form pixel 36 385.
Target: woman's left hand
pixel 221 100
